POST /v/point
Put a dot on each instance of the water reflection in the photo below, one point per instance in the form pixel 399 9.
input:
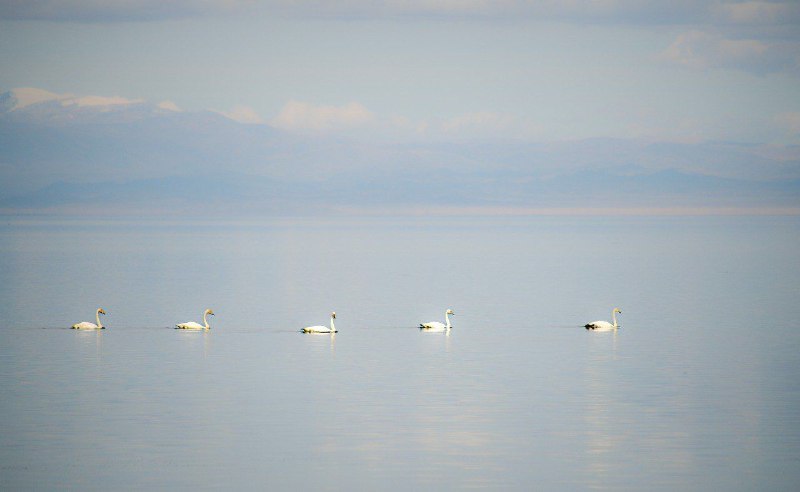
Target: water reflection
pixel 512 405
pixel 191 337
pixel 206 344
pixel 91 338
pixel 457 433
pixel 603 439
pixel 619 419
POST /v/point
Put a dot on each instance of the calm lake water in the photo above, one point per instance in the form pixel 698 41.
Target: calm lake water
pixel 699 389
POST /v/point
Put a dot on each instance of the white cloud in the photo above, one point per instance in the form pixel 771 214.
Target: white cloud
pixel 169 106
pixel 243 114
pixel 619 11
pixel 26 96
pixel 622 11
pixel 699 49
pixel 644 12
pixel 702 50
pixel 116 10
pixel 758 12
pixel 356 120
pixel 487 124
pixel 298 115
pixel 641 12
pixel 86 101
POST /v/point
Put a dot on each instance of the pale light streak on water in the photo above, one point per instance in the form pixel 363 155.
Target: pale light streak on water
pixel 698 389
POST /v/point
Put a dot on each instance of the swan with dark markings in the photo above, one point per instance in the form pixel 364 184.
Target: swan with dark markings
pixel 322 329
pixel 435 326
pixel 85 325
pixel 604 325
pixel 191 325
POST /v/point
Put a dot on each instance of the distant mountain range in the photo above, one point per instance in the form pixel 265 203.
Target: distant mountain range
pixel 70 154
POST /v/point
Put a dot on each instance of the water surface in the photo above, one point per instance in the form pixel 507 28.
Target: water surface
pixel 697 390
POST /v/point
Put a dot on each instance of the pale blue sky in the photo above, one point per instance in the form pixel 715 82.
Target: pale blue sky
pixel 541 71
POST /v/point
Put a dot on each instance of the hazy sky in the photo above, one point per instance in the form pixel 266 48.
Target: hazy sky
pixel 538 70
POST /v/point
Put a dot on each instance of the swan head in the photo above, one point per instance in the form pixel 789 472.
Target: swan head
pixel 333 315
pixel 100 311
pixel 208 311
pixel 618 310
pixel 450 311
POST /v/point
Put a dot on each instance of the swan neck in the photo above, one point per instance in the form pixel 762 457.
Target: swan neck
pixel 447 319
pixel 333 327
pixel 614 318
pixel 97 317
pixel 205 320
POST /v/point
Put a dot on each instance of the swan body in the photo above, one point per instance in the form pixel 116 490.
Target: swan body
pixel 85 325
pixel 322 329
pixel 435 326
pixel 605 325
pixel 191 325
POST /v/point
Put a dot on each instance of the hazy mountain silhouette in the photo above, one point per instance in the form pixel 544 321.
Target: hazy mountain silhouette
pixel 63 153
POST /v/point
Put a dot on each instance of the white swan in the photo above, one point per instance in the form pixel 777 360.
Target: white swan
pixel 435 325
pixel 604 325
pixel 191 325
pixel 322 329
pixel 85 325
